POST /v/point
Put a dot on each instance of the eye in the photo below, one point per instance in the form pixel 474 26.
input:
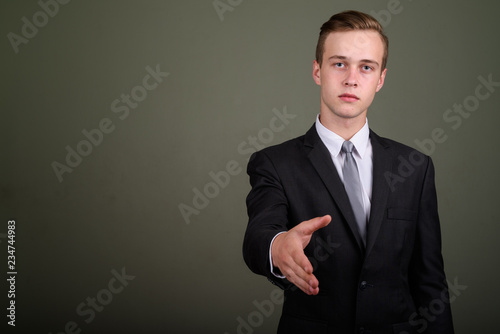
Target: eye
pixel 367 68
pixel 339 65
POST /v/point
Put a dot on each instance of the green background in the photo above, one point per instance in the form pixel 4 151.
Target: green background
pixel 119 208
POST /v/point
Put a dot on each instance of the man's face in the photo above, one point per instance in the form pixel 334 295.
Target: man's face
pixel 350 74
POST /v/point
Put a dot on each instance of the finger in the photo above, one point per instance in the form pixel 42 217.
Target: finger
pixel 305 282
pixel 304 270
pixel 308 227
pixel 297 262
pixel 305 286
pixel 303 262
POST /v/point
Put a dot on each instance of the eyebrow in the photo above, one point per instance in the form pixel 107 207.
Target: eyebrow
pixel 369 61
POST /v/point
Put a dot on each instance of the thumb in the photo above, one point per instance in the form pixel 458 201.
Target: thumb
pixel 308 227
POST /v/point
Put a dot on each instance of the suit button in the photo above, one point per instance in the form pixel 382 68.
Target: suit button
pixel 363 286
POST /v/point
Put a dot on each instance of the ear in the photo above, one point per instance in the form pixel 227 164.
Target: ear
pixel 381 80
pixel 316 73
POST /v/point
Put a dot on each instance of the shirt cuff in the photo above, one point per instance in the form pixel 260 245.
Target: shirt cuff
pixel 271 258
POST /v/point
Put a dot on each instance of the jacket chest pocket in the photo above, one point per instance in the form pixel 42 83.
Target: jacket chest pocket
pixel 399 231
pixel 401 214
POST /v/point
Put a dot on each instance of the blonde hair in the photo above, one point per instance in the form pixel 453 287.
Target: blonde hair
pixel 347 21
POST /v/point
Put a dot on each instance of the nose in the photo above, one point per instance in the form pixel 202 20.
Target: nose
pixel 350 79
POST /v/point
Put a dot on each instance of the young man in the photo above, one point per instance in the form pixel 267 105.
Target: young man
pixel 344 220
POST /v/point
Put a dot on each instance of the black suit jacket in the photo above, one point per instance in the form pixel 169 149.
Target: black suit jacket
pixel 385 287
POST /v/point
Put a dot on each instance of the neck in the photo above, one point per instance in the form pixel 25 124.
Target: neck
pixel 344 127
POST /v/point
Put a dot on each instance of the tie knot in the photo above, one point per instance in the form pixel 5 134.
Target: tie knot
pixel 347 147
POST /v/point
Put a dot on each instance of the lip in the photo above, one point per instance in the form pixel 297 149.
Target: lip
pixel 348 97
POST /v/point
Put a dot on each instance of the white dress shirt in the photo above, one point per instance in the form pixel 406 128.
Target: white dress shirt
pixel 363 154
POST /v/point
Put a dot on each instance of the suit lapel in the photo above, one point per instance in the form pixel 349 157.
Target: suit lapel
pixel 382 163
pixel 322 162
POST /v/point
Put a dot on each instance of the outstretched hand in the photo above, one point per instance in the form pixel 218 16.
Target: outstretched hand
pixel 287 254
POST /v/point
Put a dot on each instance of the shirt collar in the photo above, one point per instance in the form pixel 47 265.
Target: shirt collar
pixel 333 141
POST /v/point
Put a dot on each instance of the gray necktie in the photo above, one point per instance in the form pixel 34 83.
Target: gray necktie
pixel 353 188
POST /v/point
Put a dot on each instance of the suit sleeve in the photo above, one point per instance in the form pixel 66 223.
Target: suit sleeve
pixel 267 208
pixel 427 278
